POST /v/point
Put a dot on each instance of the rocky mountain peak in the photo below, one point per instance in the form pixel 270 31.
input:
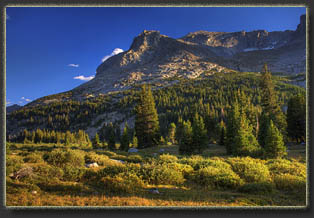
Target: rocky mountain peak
pixel 148 38
pixel 155 58
pixel 302 25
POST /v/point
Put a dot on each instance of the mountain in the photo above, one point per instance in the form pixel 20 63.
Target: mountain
pixel 12 108
pixel 201 67
pixel 155 58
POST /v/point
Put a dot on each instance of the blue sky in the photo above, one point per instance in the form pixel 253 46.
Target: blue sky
pixel 52 50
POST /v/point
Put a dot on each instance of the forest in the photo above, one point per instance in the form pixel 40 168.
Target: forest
pixel 235 139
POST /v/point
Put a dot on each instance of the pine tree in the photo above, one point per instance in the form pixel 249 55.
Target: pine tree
pixel 210 123
pixel 296 118
pixel 179 130
pixel 233 123
pixel 125 141
pixel 111 137
pixel 245 143
pixel 269 101
pixel 199 134
pixel 134 142
pixel 186 142
pixel 222 133
pixel 68 138
pixel 26 135
pixel 274 144
pixel 146 120
pixel 96 141
pixel 263 126
pixel 172 133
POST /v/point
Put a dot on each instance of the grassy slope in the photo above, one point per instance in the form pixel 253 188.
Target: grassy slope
pixel 71 193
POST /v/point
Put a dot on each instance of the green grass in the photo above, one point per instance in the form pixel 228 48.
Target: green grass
pixel 211 179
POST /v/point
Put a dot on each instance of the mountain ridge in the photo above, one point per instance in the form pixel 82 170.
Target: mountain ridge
pixel 155 57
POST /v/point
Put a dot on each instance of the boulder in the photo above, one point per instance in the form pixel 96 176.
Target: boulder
pixel 24 172
pixel 118 161
pixel 133 150
pixel 154 191
pixel 92 165
pixel 162 150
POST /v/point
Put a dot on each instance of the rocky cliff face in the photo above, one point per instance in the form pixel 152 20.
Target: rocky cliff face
pixel 154 57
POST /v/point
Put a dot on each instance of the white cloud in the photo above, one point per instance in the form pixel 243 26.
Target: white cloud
pixel 23 98
pixel 73 65
pixel 28 100
pixel 84 78
pixel 20 102
pixel 114 52
pixel 9 102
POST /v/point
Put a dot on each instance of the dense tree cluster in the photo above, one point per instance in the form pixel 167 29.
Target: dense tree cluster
pixel 68 138
pixel 233 109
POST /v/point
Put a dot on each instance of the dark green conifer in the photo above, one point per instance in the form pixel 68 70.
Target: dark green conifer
pixel 245 143
pixel 233 123
pixel 125 141
pixel 146 119
pixel 172 133
pixel 111 137
pixel 186 142
pixel 274 144
pixel 96 141
pixel 269 101
pixel 199 137
pixel 296 118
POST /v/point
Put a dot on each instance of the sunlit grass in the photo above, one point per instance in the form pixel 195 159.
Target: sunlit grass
pixel 286 178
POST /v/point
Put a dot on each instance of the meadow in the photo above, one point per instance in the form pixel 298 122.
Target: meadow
pixel 57 175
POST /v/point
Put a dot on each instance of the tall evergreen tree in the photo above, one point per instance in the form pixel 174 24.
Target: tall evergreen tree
pixel 146 119
pixel 125 141
pixel 296 118
pixel 199 134
pixel 274 144
pixel 269 101
pixel 263 126
pixel 111 137
pixel 186 142
pixel 179 130
pixel 222 133
pixel 233 123
pixel 245 143
pixel 172 133
pixel 68 138
pixel 96 141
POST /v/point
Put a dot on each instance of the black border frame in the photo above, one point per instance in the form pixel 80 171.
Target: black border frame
pixel 162 211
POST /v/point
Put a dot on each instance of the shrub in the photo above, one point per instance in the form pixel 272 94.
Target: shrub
pixel 250 169
pixel 90 176
pixel 33 158
pixel 47 172
pixel 198 162
pixel 161 174
pixel 134 158
pixel 111 170
pixel 257 188
pixel 288 182
pixel 214 177
pixel 101 160
pixel 73 173
pixel 121 183
pixel 185 169
pixel 108 153
pixel 283 166
pixel 167 158
pixel 13 164
pixel 60 158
